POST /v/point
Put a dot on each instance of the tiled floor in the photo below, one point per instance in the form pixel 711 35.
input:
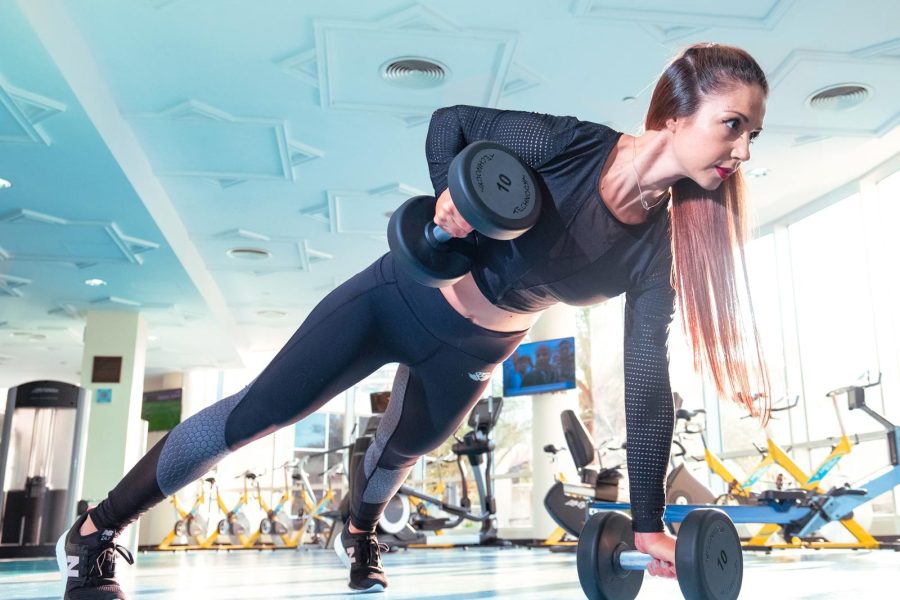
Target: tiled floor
pixel 457 574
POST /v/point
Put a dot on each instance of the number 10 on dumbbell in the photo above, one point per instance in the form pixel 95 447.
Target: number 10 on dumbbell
pixel 493 190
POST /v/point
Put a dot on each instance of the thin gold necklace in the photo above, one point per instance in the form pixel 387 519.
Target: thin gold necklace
pixel 662 197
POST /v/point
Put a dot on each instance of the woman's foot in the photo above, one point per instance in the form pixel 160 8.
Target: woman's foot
pixel 88 562
pixel 361 552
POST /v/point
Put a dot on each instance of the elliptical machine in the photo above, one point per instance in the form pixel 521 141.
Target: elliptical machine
pixel 401 525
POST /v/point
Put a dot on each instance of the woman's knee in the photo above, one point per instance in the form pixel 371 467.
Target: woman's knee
pixel 403 451
pixel 195 445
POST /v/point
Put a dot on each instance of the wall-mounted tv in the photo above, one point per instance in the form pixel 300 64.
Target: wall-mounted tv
pixel 538 367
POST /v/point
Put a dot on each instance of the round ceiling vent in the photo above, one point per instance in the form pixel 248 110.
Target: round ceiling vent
pixel 415 73
pixel 840 97
pixel 248 253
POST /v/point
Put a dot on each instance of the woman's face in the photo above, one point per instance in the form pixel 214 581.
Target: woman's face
pixel 712 143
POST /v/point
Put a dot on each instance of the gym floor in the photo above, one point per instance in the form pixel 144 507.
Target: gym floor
pixel 455 574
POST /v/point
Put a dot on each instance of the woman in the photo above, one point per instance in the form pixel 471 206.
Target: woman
pixel 622 214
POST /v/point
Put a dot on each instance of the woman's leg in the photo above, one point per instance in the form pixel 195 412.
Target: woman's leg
pixel 430 398
pixel 340 343
pixel 428 403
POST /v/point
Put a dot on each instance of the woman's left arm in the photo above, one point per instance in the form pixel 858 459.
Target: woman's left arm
pixel 649 409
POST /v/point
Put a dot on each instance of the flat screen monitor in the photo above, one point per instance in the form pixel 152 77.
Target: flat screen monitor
pixel 162 409
pixel 485 413
pixel 539 367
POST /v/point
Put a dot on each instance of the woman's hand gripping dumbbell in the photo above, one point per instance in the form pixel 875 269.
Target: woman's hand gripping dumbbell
pixel 490 190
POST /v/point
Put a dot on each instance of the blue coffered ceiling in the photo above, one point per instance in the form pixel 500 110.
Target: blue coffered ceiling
pixel 147 140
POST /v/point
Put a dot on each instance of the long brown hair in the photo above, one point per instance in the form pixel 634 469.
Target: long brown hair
pixel 709 230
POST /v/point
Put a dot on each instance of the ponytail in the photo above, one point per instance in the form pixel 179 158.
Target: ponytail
pixel 709 231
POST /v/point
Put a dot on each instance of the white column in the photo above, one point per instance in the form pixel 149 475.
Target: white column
pixel 556 322
pixel 116 433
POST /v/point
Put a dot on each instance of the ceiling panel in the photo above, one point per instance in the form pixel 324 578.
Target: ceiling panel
pixel 147 139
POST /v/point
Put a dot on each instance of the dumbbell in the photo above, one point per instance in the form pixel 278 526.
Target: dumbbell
pixel 708 557
pixel 493 190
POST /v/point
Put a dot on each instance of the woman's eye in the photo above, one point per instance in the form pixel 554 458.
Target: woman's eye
pixel 736 122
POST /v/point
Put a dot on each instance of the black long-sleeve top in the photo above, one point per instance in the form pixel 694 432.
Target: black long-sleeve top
pixel 578 253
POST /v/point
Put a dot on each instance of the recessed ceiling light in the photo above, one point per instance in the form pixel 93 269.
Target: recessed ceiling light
pixel 249 253
pixel 5 183
pixel 271 314
pixel 94 282
pixel 152 338
pixel 757 172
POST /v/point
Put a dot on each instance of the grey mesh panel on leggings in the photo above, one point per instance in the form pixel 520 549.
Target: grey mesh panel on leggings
pixel 196 445
pixel 373 319
pixel 384 483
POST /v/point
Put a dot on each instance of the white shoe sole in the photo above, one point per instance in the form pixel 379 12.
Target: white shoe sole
pixel 375 589
pixel 339 549
pixel 61 561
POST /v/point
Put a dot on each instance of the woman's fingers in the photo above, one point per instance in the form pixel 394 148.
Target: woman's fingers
pixel 451 222
pixel 448 218
pixel 658 568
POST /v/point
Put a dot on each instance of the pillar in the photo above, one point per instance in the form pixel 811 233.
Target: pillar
pixel 113 368
pixel 557 322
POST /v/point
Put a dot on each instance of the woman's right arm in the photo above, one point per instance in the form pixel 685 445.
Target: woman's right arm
pixel 535 138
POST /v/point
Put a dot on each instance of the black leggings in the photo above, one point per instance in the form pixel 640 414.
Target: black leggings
pixel 379 316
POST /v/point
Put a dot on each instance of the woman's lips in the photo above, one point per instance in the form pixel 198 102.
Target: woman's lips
pixel 724 173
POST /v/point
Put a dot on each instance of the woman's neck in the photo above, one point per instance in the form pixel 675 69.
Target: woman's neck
pixel 636 167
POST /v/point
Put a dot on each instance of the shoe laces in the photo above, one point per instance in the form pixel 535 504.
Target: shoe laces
pixel 371 549
pixel 104 565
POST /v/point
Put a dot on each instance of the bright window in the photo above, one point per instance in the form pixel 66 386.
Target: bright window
pixel 833 308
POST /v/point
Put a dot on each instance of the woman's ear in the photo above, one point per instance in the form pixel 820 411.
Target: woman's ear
pixel 672 124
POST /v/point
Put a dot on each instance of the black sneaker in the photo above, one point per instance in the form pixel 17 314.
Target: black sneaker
pixel 362 553
pixel 88 564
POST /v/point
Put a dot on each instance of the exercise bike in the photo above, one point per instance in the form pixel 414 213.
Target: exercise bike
pixel 400 526
pixel 190 523
pixel 740 489
pixel 567 503
pixel 317 515
pixel 235 525
pixel 278 526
